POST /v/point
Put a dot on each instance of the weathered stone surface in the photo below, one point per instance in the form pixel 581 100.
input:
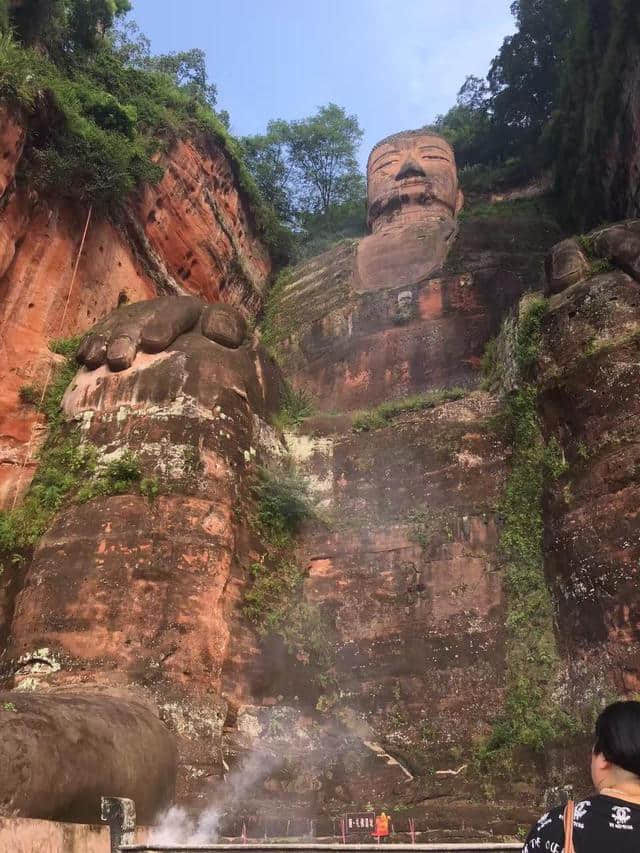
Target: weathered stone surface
pixel 191 233
pixel 198 223
pixel 413 199
pixel 352 350
pixel 154 325
pixel 621 245
pixel 410 574
pixel 411 177
pixel 27 835
pixel 142 598
pixel 222 324
pixel 410 307
pixel 62 751
pixel 565 265
pixel 402 559
pixel 590 378
pixel 404 567
pixel 11 146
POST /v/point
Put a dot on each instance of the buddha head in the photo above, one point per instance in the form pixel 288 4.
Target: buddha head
pixel 411 177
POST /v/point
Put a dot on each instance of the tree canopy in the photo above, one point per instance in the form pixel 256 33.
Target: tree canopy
pixel 64 26
pixel 99 106
pixel 308 166
pixel 505 115
pixel 553 98
pixel 308 170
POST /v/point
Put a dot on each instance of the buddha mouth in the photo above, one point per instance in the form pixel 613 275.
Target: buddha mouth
pixel 404 195
pixel 413 182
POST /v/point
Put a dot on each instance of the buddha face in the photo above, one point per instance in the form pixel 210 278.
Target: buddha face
pixel 411 177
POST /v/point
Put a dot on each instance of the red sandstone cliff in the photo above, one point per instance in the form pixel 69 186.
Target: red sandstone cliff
pixel 191 233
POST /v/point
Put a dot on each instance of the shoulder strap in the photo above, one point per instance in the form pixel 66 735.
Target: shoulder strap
pixel 568 827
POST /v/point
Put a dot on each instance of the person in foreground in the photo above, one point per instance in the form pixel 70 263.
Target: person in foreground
pixel 610 820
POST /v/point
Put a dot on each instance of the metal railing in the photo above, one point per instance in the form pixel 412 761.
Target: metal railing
pixel 120 814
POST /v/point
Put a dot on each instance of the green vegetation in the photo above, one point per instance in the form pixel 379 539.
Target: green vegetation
pixel 282 504
pixel 591 105
pixel 531 717
pixel 491 366
pixel 99 107
pixel 601 266
pixel 150 487
pixel 274 602
pixel 597 265
pixel 276 323
pixel 539 208
pixel 483 178
pixel 118 477
pixel 308 169
pixel 296 406
pixel 63 464
pixel 68 469
pixel 529 335
pixel 383 414
pixel 427 525
pixel 9 706
pixel 554 98
pixel 28 395
pixel 49 399
pixel 498 124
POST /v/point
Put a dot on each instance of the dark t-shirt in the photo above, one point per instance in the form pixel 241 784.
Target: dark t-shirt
pixel 600 825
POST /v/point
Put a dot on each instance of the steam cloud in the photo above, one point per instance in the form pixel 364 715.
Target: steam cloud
pixel 176 826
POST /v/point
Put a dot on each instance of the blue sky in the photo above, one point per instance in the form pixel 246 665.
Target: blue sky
pixel 396 64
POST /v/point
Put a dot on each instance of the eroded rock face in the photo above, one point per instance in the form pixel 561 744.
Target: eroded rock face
pixel 126 591
pixel 62 751
pixel 589 378
pixel 405 565
pixel 353 349
pixel 565 265
pixel 192 233
pixel 409 573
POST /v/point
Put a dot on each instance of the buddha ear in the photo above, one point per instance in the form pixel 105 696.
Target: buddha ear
pixel 459 201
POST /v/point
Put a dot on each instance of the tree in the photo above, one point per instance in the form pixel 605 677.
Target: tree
pixel 308 167
pixel 322 149
pixel 4 16
pixel 188 70
pixel 266 156
pixel 470 127
pixel 524 77
pixel 505 116
pixel 90 20
pixel 129 44
pixel 65 26
pixel 593 134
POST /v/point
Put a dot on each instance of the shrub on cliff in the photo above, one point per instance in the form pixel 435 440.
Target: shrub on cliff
pixel 95 120
pixel 283 503
pixel 274 602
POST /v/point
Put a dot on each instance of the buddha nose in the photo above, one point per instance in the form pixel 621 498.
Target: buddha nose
pixel 410 169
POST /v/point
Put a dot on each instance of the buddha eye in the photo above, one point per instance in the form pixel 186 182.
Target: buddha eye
pixel 386 164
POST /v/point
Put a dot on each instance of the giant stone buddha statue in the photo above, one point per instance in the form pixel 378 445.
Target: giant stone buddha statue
pixel 413 200
pixel 143 596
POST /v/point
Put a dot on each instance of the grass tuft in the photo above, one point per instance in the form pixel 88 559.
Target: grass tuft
pixel 382 415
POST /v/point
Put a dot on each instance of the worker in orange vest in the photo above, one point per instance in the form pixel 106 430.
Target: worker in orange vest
pixel 381 826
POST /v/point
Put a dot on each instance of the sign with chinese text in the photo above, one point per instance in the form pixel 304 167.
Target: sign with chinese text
pixel 361 822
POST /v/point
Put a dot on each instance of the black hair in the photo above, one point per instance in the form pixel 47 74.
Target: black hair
pixel 618 735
